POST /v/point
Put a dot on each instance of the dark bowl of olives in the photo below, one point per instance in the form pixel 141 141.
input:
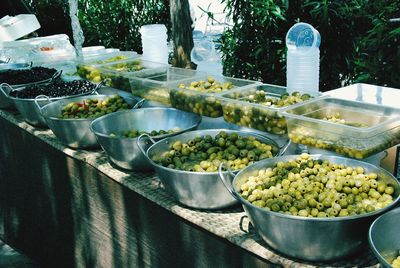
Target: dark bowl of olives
pixel 187 164
pixel 117 133
pixel 314 207
pixel 70 119
pixel 384 239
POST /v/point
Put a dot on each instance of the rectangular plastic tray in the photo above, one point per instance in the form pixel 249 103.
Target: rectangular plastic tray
pixel 155 84
pixel 202 103
pixel 239 110
pixel 368 128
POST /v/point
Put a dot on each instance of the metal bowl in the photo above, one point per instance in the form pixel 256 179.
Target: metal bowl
pixel 74 133
pixel 312 239
pixel 384 237
pixel 7 102
pixel 201 190
pixel 123 151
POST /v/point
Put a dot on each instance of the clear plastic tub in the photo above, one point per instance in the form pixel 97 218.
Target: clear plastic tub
pixel 205 102
pixel 357 130
pixel 118 74
pixel 155 84
pixel 258 107
pixel 87 68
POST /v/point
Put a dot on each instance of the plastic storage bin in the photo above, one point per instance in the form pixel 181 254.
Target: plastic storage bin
pixel 258 107
pixel 186 96
pixel 358 129
pixel 155 84
pixel 88 68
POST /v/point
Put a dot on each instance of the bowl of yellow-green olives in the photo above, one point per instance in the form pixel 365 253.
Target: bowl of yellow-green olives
pixel 384 239
pixel 259 107
pixel 70 119
pixel 201 96
pixel 187 163
pixel 117 133
pixel 314 207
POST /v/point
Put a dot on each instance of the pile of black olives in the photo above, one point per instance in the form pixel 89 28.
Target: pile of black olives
pixel 206 153
pixel 317 188
pixel 26 76
pixel 58 88
pixel 92 108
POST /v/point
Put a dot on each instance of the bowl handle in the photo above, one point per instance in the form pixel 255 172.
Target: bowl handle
pixel 284 147
pixel 39 97
pixel 139 104
pixel 140 145
pixel 227 181
pixel 6 89
pixel 56 75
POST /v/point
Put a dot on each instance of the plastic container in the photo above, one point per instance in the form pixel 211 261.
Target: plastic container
pixel 118 74
pixel 240 107
pixel 204 103
pixel 155 84
pixel 302 42
pixel 12 28
pixel 88 68
pixel 205 55
pixel 367 129
pixel 154 43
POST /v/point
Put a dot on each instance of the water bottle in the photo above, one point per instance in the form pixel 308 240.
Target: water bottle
pixel 205 55
pixel 302 70
pixel 154 43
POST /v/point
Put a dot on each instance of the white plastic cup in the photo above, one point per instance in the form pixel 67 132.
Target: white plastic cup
pixel 154 43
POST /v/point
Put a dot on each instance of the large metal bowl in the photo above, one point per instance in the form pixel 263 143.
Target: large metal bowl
pixel 201 190
pixel 6 101
pixel 312 239
pixel 74 133
pixel 123 151
pixel 384 237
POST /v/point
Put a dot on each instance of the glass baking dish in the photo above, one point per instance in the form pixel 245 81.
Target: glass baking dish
pixel 258 107
pixel 351 128
pixel 201 94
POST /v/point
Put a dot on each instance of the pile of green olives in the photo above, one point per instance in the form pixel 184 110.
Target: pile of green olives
pixel 396 262
pixel 316 188
pixel 134 133
pixel 337 118
pixel 92 108
pixel 260 118
pixel 201 104
pixel 209 86
pixel 206 153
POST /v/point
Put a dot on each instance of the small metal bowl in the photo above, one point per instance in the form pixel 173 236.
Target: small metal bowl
pixel 123 151
pixel 74 133
pixel 384 237
pixel 200 190
pixel 311 239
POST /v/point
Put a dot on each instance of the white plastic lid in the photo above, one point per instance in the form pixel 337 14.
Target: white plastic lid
pixel 302 35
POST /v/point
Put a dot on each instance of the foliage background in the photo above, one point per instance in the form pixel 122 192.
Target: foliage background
pixel 359 42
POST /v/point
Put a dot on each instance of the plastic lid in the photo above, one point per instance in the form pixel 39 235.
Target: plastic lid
pixel 302 35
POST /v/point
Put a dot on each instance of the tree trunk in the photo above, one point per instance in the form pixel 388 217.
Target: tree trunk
pixel 182 35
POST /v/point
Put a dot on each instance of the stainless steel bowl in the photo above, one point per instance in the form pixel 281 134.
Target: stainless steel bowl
pixel 312 239
pixel 201 190
pixel 7 102
pixel 384 237
pixel 124 152
pixel 74 133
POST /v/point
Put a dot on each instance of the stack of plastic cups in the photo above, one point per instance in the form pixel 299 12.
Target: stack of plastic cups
pixel 154 43
pixel 302 41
